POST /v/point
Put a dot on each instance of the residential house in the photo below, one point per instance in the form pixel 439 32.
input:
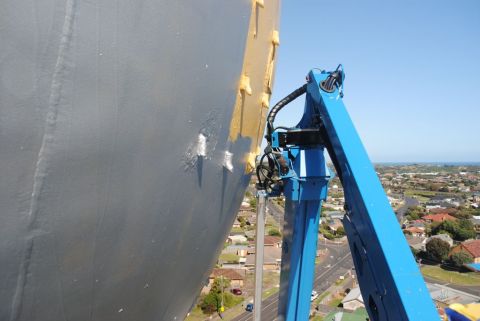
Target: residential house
pixel 334 224
pixel 471 247
pixel 476 224
pixel 236 277
pixel 353 300
pixel 335 214
pixel 415 231
pixel 434 207
pixel 431 218
pixel 274 241
pixel 476 197
pixel 444 237
pixel 271 260
pixel 235 239
pixel 240 250
pixel 415 242
pixel 250 234
pixel 417 223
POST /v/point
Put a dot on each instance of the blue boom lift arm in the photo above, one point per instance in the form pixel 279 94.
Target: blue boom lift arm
pixel 390 281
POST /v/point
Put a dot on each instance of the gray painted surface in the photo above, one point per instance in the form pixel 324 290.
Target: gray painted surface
pixel 106 213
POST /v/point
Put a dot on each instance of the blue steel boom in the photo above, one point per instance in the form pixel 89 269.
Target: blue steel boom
pixel 390 281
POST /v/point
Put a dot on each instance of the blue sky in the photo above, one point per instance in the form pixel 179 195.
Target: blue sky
pixel 412 68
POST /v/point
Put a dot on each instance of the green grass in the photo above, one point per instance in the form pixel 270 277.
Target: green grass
pixel 230 313
pixel 236 300
pixel 229 257
pixel 269 292
pixel 317 318
pixel 196 315
pixel 236 230
pixel 320 298
pixel 411 192
pixel 435 272
pixel 359 315
pixel 271 223
pixel 323 296
pixel 421 196
pixel 335 302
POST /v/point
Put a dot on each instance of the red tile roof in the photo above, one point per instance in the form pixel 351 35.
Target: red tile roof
pixel 473 247
pixel 414 229
pixel 272 240
pixel 439 217
pixel 226 273
pixel 268 241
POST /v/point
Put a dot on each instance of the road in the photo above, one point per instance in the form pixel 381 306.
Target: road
pixel 275 211
pixel 409 201
pixel 474 290
pixel 336 264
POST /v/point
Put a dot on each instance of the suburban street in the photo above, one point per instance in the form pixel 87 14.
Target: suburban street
pixel 275 211
pixel 409 201
pixel 337 263
pixel 475 290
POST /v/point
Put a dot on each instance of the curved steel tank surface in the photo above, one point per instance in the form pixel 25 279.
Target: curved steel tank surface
pixel 128 131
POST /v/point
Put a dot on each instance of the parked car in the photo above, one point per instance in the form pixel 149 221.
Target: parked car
pixel 249 307
pixel 237 291
pixel 313 296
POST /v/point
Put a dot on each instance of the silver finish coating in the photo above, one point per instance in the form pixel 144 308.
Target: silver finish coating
pixel 106 210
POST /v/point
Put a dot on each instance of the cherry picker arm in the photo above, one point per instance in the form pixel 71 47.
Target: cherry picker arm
pixel 390 281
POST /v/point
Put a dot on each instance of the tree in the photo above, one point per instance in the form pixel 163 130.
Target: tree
pixel 460 230
pixel 217 295
pixel 448 227
pixel 465 213
pixel 242 221
pixel 460 258
pixel 437 249
pixel 340 231
pixel 465 230
pixel 274 232
pixel 414 212
pixel 253 202
pixel 327 234
pixel 415 252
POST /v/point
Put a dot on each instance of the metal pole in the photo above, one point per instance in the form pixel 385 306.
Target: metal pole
pixel 259 244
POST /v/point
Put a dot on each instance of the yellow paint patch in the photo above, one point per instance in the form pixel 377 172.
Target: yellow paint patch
pixel 256 80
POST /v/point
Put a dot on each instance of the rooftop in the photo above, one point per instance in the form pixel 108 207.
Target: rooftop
pixel 448 295
pixel 354 294
pixel 359 315
pixel 230 274
pixel 473 247
pixel 439 217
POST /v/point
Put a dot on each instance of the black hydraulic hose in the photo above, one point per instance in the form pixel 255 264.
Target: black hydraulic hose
pixel 282 103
